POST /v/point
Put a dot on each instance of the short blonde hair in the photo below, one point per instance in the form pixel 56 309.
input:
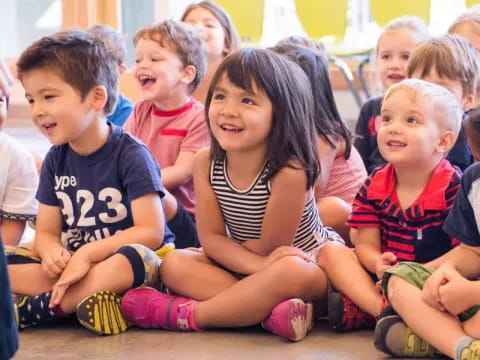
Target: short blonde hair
pixel 470 17
pixel 452 56
pixel 448 111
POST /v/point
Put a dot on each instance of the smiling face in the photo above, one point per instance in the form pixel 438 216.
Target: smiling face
pixel 160 74
pixel 393 50
pixel 210 30
pixel 240 121
pixel 57 109
pixel 409 133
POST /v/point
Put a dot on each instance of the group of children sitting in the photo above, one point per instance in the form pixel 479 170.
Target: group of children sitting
pixel 288 211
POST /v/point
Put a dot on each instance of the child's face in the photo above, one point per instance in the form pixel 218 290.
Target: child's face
pixel 210 30
pixel 409 133
pixel 57 109
pixel 159 72
pixel 394 49
pixel 240 121
pixel 3 111
pixel 455 86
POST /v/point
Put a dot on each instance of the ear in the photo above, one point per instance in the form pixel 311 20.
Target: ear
pixel 468 102
pixel 122 68
pixel 446 142
pixel 188 74
pixel 99 97
pixel 226 50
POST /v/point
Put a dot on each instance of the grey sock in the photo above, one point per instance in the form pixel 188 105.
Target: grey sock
pixel 462 344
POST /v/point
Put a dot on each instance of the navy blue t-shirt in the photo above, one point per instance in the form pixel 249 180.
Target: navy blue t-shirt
pixel 463 221
pixel 94 192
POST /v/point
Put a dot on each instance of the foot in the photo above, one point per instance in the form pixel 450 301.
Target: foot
pixel 149 308
pixel 344 315
pixel 393 337
pixel 101 313
pixel 292 319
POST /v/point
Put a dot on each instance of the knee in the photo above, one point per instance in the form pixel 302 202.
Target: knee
pixel 330 253
pixel 174 262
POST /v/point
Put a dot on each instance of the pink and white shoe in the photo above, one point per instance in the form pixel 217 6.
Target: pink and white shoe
pixel 149 308
pixel 292 319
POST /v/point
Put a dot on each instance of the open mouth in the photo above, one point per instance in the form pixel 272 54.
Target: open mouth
pixel 396 77
pixel 146 80
pixel 395 143
pixel 227 127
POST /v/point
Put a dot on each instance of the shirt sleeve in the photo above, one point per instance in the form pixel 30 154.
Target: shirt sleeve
pixel 364 213
pixel 197 135
pixel 463 219
pixel 46 189
pixel 140 172
pixel 22 182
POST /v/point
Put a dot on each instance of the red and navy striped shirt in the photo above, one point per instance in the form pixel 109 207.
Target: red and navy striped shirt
pixel 414 234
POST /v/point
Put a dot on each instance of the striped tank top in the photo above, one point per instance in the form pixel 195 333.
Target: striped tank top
pixel 243 210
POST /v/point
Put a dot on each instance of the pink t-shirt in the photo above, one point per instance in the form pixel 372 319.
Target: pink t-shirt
pixel 346 177
pixel 167 133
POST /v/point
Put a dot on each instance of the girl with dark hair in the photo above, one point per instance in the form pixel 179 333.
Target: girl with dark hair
pixel 343 171
pixel 219 34
pixel 256 216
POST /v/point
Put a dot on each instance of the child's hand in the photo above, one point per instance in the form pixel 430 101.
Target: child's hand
pixel 55 261
pixel 430 292
pixel 78 266
pixel 283 251
pixel 385 261
pixel 456 295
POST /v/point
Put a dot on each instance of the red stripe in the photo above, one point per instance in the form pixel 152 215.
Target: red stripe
pixel 174 132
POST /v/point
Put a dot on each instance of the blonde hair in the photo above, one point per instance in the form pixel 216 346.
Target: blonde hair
pixel 448 112
pixel 470 17
pixel 414 24
pixel 452 56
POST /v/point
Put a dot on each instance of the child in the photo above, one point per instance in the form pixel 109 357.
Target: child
pixel 18 184
pixel 169 65
pixel 440 305
pixel 115 44
pixel 394 47
pixel 100 215
pixel 449 61
pixel 471 125
pixel 220 36
pixel 256 212
pixel 342 169
pixel 399 211
pixel 467 25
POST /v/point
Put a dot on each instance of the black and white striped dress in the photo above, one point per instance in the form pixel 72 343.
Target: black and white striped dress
pixel 243 210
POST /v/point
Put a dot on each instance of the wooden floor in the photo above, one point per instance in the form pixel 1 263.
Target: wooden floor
pixel 73 342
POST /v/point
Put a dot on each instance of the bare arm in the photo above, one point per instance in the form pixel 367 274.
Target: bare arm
pixel 464 258
pixel 180 172
pixel 367 247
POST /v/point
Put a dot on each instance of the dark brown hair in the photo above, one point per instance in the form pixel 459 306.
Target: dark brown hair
pixel 292 135
pixel 78 58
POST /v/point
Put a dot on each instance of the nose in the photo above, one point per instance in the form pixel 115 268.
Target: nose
pixel 229 109
pixel 36 111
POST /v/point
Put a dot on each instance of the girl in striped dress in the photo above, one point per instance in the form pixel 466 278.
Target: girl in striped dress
pixel 256 215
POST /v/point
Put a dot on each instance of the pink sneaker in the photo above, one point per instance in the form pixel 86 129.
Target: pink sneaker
pixel 149 308
pixel 292 319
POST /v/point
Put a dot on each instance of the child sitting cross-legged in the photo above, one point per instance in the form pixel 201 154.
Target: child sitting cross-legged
pixel 399 211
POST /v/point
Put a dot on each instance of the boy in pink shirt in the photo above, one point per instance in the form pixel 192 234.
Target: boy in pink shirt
pixel 170 62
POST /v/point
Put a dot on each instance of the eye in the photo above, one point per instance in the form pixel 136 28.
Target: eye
pixel 386 118
pixel 385 57
pixel 49 97
pixel 412 120
pixel 30 101
pixel 405 56
pixel 218 96
pixel 248 101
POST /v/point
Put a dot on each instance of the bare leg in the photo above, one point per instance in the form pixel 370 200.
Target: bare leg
pixel 349 277
pixel 440 329
pixel 334 212
pixel 114 273
pixel 192 274
pixel 29 279
pixel 250 300
pixel 472 326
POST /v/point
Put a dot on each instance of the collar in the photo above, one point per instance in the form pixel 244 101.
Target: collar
pixel 174 112
pixel 383 181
